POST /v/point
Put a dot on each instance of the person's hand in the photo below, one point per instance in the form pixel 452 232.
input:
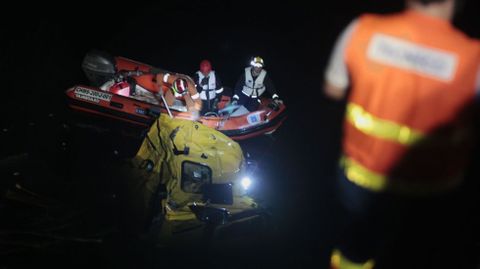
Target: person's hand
pixel 216 100
pixel 159 94
pixel 278 101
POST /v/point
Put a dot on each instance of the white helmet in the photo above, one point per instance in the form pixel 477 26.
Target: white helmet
pixel 257 62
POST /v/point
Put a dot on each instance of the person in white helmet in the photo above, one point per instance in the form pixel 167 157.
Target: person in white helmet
pixel 252 84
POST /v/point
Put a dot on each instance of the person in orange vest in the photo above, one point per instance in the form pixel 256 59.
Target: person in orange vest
pixel 179 87
pixel 410 80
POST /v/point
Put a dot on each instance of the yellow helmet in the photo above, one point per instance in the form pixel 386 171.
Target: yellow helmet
pixel 257 62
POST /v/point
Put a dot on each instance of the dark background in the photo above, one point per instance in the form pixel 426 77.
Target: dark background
pixel 41 52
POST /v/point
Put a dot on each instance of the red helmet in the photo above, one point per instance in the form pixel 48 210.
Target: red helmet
pixel 180 86
pixel 205 67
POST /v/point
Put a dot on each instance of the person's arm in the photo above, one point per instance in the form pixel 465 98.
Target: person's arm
pixel 196 79
pixel 218 84
pixel 334 92
pixel 337 78
pixel 192 99
pixel 270 87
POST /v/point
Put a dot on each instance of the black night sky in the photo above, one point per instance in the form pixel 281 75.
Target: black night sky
pixel 40 58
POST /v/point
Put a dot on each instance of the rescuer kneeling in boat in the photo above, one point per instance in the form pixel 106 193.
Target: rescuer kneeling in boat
pixel 181 93
pixel 252 84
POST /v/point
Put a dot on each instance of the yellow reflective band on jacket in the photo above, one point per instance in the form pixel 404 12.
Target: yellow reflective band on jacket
pixel 388 130
pixel 338 261
pixel 362 176
pixel 368 179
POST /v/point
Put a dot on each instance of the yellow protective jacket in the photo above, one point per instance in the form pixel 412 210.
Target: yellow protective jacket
pixel 173 153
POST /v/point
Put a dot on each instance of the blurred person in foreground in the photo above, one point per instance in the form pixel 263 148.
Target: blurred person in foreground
pixel 410 81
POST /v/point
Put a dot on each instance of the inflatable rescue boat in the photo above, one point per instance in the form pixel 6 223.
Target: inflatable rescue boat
pixel 125 90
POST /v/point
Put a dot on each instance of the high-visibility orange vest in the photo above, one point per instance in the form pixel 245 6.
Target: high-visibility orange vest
pixel 412 81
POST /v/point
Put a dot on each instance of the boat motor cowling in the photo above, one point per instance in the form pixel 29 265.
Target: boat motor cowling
pixel 99 67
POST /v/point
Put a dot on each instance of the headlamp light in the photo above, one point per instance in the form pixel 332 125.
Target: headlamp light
pixel 246 182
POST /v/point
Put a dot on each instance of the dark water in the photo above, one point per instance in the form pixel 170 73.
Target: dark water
pixel 70 167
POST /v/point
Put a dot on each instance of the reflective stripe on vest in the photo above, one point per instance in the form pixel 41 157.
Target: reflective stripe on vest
pixel 394 132
pixel 388 130
pixel 339 261
pixel 363 177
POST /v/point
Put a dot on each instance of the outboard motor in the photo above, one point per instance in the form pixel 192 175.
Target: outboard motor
pixel 99 67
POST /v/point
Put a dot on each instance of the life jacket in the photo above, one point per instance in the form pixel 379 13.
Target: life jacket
pixel 254 88
pixel 211 88
pixel 407 120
